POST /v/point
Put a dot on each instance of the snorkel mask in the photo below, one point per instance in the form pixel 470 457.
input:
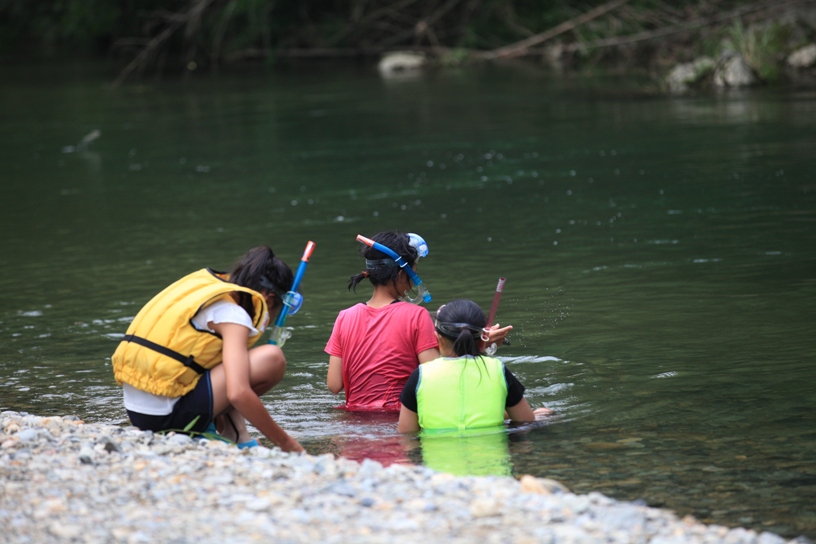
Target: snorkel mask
pixel 292 300
pixel 416 242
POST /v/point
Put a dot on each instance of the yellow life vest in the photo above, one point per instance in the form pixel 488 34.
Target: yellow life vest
pixel 162 352
pixel 462 393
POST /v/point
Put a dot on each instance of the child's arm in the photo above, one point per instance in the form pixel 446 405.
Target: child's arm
pixel 521 412
pixel 240 394
pixel 408 421
pixel 428 355
pixel 334 379
pixel 409 417
pixel 525 412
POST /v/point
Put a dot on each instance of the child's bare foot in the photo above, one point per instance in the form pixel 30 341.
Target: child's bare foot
pixel 225 429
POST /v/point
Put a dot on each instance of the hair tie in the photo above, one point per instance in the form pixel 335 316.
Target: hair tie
pixel 364 273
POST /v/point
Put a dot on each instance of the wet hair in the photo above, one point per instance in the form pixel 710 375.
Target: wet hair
pixel 259 269
pixel 462 321
pixel 380 268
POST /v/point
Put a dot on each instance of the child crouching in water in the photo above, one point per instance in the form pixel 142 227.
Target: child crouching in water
pixel 463 389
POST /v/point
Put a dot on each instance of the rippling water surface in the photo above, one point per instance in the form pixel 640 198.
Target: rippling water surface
pixel 659 255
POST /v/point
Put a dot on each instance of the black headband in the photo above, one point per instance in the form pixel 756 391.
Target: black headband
pixel 266 284
pixel 452 330
pixel 380 263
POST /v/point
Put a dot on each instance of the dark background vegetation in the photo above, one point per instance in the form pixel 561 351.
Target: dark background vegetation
pixel 161 35
pixel 95 26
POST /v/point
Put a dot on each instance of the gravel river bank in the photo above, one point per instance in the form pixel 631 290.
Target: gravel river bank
pixel 62 480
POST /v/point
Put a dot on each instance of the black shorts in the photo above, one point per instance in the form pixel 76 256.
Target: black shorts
pixel 197 403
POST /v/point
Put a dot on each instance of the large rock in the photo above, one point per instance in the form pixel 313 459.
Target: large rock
pixel 400 62
pixel 734 71
pixel 804 57
pixel 684 75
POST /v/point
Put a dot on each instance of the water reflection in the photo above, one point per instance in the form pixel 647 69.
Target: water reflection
pixel 478 453
pixel 372 435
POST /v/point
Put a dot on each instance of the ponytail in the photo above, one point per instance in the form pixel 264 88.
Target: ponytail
pixel 465 343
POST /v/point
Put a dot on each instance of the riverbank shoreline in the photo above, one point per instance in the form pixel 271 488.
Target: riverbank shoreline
pixel 63 480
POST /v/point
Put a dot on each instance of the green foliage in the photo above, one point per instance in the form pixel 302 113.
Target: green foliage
pixel 205 434
pixel 762 47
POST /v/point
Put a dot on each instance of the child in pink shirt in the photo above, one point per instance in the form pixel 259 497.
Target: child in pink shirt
pixel 375 346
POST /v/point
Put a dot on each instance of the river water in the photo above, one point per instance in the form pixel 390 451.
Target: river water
pixel 659 255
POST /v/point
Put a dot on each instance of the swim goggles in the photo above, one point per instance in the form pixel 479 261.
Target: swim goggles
pixel 421 247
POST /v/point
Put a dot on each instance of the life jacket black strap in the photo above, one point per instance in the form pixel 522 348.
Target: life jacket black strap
pixel 188 361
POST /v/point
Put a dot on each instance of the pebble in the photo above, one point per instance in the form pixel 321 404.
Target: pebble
pixel 63 480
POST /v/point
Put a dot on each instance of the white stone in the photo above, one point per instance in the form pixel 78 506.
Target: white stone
pixel 734 72
pixel 804 57
pixel 770 538
pixel 400 61
pixel 688 73
pixel 211 495
pixel 65 531
pixel 28 435
pixel 480 508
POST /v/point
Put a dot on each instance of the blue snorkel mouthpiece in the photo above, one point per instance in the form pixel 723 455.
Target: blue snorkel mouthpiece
pixel 421 248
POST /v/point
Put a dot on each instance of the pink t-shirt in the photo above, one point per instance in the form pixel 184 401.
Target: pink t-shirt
pixel 379 348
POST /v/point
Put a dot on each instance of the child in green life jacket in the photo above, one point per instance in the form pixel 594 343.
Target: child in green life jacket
pixel 463 389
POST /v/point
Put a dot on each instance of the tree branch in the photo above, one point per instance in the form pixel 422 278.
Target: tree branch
pixel 157 41
pixel 689 25
pixel 395 7
pixel 422 24
pixel 519 48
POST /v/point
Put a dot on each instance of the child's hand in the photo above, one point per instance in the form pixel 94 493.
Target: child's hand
pixel 497 335
pixel 541 413
pixel 292 446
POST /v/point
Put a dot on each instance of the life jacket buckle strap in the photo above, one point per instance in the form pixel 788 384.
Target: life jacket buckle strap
pixel 187 361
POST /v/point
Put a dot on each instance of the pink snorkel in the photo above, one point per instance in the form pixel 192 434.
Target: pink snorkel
pixel 491 349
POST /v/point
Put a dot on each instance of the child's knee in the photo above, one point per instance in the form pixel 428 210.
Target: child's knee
pixel 270 360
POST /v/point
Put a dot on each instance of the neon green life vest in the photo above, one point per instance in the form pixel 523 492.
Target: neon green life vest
pixel 162 352
pixel 463 393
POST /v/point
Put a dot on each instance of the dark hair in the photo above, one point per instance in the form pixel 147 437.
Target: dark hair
pixel 462 321
pixel 380 268
pixel 260 270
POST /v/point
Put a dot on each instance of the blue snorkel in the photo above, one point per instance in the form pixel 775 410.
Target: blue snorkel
pixel 292 299
pixel 422 249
